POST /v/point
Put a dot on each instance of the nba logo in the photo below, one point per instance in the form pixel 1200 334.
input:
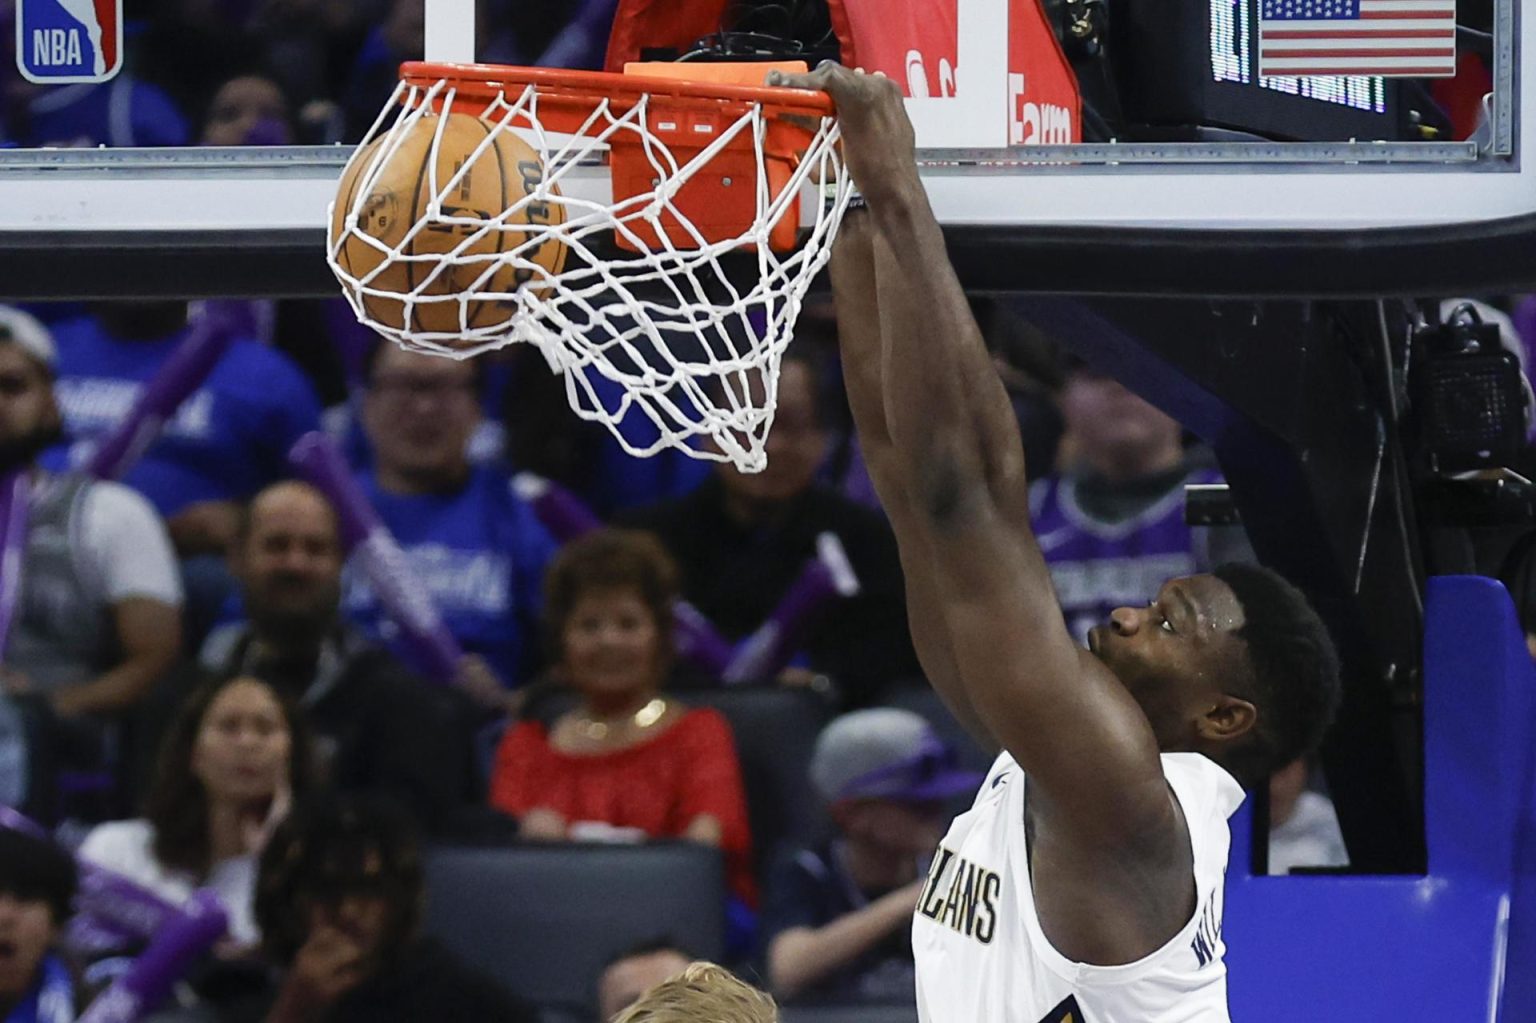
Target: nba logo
pixel 60 41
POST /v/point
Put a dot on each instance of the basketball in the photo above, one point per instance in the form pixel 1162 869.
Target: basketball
pixel 400 195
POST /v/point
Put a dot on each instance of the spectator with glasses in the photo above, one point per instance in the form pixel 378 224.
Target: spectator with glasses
pixel 475 546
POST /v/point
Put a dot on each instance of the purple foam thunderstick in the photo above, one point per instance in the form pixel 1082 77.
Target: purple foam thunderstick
pixel 826 577
pixel 184 372
pixel 364 537
pixel 14 492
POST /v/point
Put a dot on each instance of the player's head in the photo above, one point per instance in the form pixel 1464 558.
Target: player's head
pixel 37 884
pixel 419 412
pixel 29 414
pixel 345 862
pixel 1235 664
pixel 703 991
pixel 287 556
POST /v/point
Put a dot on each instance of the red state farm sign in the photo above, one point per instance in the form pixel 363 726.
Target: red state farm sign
pixel 916 43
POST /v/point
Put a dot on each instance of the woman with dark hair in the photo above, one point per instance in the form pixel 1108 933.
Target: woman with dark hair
pixel 230 766
pixel 627 762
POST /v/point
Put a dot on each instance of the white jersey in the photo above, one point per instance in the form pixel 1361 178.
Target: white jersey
pixel 982 957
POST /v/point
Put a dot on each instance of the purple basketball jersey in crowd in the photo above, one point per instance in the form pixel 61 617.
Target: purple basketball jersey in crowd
pixel 1098 565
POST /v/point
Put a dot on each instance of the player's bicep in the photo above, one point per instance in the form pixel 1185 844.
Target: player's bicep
pixel 926 621
pixel 935 650
pixel 1069 723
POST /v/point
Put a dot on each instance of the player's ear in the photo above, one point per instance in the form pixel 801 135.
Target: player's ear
pixel 1228 718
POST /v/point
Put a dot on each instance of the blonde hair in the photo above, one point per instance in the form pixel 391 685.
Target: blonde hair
pixel 702 993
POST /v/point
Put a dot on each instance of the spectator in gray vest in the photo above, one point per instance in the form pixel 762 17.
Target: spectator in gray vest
pixel 379 726
pixel 97 619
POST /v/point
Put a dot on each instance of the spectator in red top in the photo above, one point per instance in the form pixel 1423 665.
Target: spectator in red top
pixel 626 763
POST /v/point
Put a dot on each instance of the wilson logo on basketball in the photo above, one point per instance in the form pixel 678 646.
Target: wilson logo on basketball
pixel 378 212
pixel 475 203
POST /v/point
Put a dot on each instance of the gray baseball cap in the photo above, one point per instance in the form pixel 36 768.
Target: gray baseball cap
pixel 886 753
pixel 24 330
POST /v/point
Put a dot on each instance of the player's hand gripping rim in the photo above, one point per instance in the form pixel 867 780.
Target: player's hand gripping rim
pixel 878 141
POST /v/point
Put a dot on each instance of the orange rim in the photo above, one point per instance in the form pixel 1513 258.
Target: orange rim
pixel 588 88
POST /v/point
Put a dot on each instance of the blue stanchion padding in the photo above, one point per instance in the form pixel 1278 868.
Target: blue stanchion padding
pixel 1459 943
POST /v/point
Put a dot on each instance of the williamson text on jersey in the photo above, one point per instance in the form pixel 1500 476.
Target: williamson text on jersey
pixel 60 41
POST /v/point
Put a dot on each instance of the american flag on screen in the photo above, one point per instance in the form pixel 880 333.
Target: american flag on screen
pixel 1412 38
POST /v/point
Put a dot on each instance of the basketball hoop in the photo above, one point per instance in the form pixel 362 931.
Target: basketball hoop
pixel 626 294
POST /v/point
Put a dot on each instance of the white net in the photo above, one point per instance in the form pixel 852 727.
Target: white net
pixel 672 337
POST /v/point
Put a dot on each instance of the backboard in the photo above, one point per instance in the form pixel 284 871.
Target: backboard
pixel 993 157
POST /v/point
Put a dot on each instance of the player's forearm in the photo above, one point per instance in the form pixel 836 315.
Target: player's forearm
pixel 804 957
pixel 859 345
pixel 949 419
pixel 852 272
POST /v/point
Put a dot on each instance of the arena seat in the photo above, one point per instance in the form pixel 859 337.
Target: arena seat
pixel 775 733
pixel 1428 947
pixel 544 919
pixel 183 1014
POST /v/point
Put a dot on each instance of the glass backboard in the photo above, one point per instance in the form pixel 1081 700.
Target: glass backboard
pixel 1181 129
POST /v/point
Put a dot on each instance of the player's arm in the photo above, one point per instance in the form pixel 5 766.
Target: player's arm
pixel 1086 745
pixel 858 331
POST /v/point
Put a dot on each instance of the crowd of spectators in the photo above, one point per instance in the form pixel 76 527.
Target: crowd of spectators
pixel 183 742
pixel 204 690
pixel 194 662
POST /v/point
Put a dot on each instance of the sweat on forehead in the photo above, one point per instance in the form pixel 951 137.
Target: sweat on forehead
pixel 1212 601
